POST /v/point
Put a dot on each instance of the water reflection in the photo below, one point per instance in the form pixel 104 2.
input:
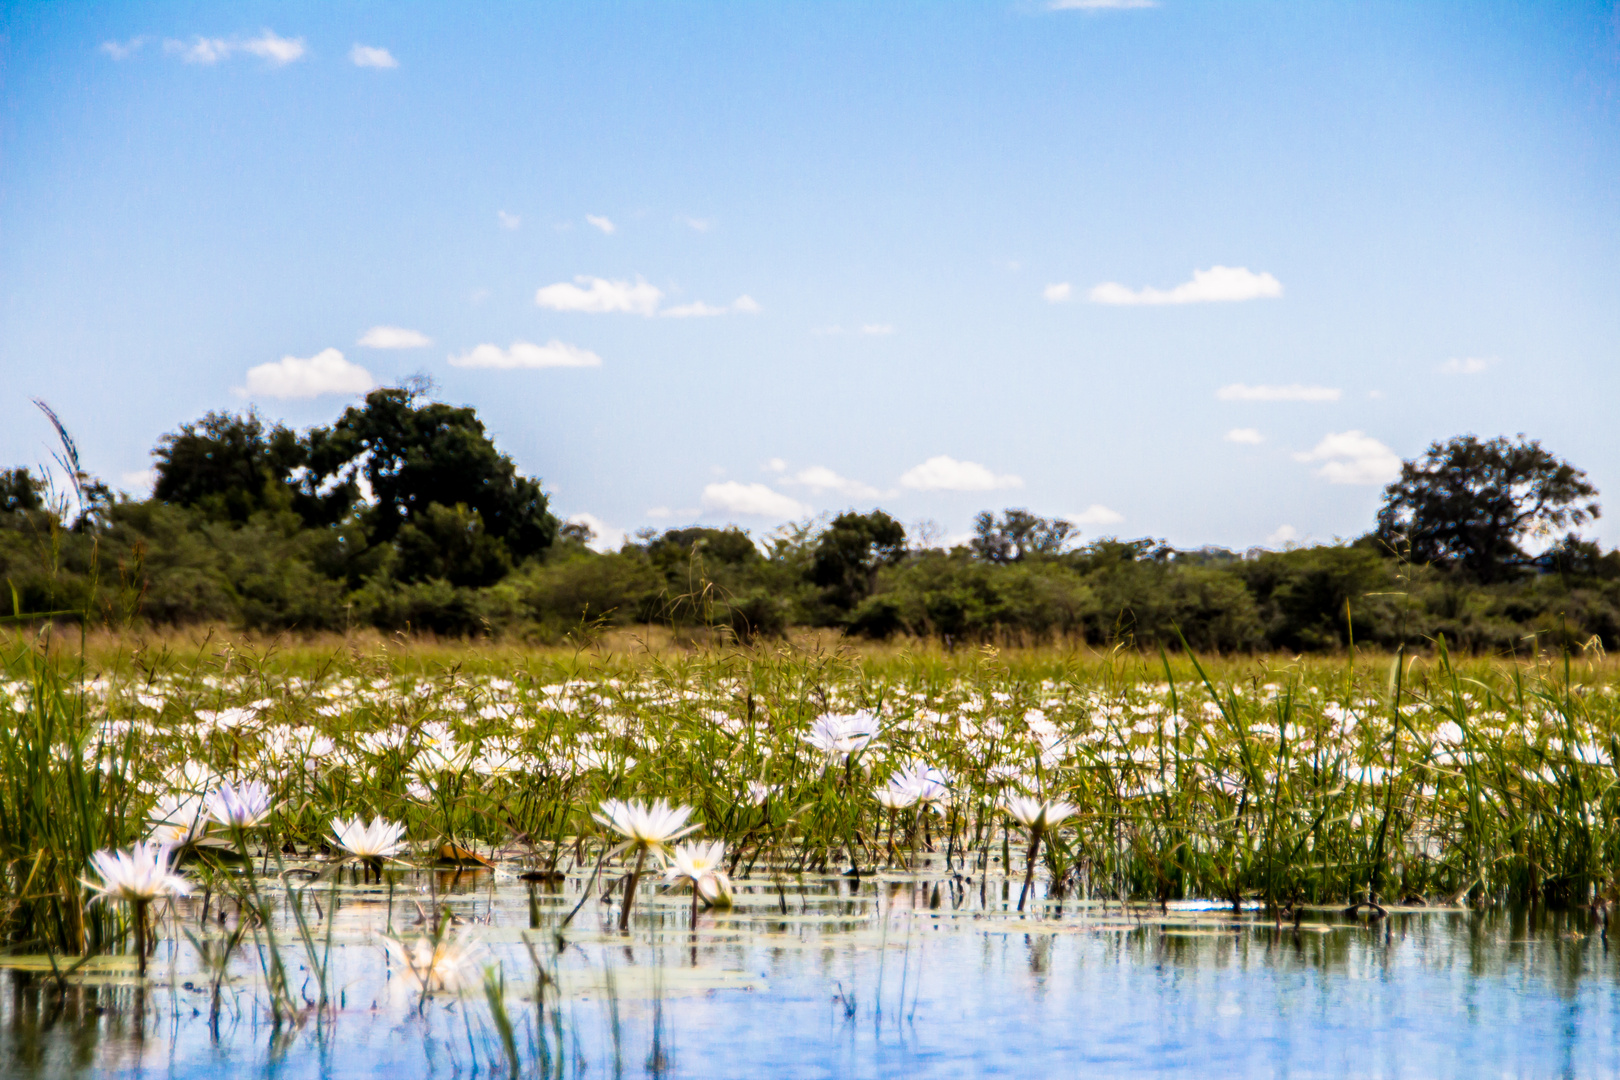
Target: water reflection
pixel 820 975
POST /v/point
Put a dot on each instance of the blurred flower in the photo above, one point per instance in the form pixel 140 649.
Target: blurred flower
pixel 649 827
pixel 699 863
pixel 178 820
pixel 842 733
pixel 240 807
pixel 377 841
pixel 138 876
pixel 759 793
pixel 429 965
pixel 1037 813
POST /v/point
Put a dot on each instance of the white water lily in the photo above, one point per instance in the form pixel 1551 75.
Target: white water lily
pixel 429 965
pixel 837 734
pixel 240 806
pixel 1038 813
pixel 140 875
pixel 377 841
pixel 178 820
pixel 700 863
pixel 648 828
pixel 759 793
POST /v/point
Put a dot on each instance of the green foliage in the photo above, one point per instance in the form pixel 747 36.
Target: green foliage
pixel 849 553
pixel 1470 503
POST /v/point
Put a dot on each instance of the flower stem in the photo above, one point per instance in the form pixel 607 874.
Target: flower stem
pixel 630 890
pixel 1029 865
pixel 140 936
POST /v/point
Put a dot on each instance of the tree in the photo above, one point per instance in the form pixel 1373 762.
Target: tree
pixel 1019 535
pixel 232 467
pixel 20 492
pixel 849 553
pixel 418 457
pixel 1469 504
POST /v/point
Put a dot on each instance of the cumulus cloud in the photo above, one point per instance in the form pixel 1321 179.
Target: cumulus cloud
pixel 1353 457
pixel 1217 284
pixel 776 464
pixel 944 473
pixel 1246 435
pixel 523 354
pixel 1284 536
pixel 394 337
pixel 1096 514
pixel 508 221
pixel 1100 5
pixel 744 304
pixel 1058 293
pixel 602 223
pixel 752 500
pixel 1291 392
pixel 819 478
pixel 120 50
pixel 598 295
pixel 140 482
pixel 604 537
pixel 267 46
pixel 368 56
pixel 1466 365
pixel 290 377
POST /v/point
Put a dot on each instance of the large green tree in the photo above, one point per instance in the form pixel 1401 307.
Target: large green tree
pixel 849 553
pixel 1470 503
pixel 231 467
pixel 415 458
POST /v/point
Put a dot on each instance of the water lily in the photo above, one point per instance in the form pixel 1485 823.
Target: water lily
pixel 370 843
pixel 836 734
pixel 240 806
pixel 430 964
pixel 699 863
pixel 1037 815
pixel 178 821
pixel 137 878
pixel 648 828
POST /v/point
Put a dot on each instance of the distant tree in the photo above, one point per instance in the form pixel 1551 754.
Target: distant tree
pixel 1019 535
pixel 232 466
pixel 416 457
pixel 20 491
pixel 730 546
pixel 849 553
pixel 1470 503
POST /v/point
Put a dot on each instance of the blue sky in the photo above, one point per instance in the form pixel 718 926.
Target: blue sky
pixel 1191 270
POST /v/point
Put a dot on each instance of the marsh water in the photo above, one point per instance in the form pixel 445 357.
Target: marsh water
pixel 893 974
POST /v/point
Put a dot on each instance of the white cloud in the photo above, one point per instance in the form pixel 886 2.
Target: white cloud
pixel 290 377
pixel 1100 5
pixel 819 478
pixel 1466 365
pixel 600 296
pixel 944 473
pixel 140 482
pixel 1218 283
pixel 602 223
pixel 371 57
pixel 662 512
pixel 267 46
pixel 120 50
pixel 608 538
pixel 776 464
pixel 877 329
pixel 698 224
pixel 745 304
pixel 1246 435
pixel 394 337
pixel 1291 392
pixel 753 500
pixel 508 221
pixel 1353 457
pixel 1096 514
pixel 523 354
pixel 1285 535
pixel 1058 293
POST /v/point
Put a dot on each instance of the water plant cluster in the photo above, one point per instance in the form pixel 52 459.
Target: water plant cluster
pixel 1400 779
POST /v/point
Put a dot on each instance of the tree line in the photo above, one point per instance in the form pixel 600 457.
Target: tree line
pixel 403 515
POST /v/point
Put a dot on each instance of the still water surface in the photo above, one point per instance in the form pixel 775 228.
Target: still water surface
pixel 825 976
